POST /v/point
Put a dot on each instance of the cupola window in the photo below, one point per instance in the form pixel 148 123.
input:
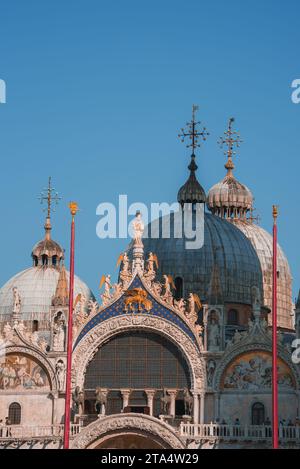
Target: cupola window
pixel 44 259
pixel 232 317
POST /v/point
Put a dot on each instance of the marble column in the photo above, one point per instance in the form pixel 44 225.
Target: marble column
pixel 196 406
pixel 54 397
pixel 202 407
pixel 172 393
pixel 217 406
pixel 150 396
pixel 125 395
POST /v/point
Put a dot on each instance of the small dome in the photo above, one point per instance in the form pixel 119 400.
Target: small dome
pixel 191 191
pixel 49 248
pixel 47 253
pixel 229 198
pixel 37 287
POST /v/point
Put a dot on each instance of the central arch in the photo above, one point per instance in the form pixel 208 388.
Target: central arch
pixel 101 333
pixel 128 431
pixel 137 361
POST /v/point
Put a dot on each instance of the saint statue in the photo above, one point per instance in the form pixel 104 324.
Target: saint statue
pixel 210 368
pixel 106 296
pixel 60 373
pixel 214 338
pixel 59 333
pixel 16 301
pixel 125 263
pixel 256 296
pixel 138 228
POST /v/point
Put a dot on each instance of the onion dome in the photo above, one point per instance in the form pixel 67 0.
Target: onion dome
pixel 229 198
pixel 47 252
pixel 191 191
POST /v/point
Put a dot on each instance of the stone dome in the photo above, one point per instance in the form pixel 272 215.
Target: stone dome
pixel 36 286
pixel 47 247
pixel 262 242
pixel 47 251
pixel 229 198
pixel 225 248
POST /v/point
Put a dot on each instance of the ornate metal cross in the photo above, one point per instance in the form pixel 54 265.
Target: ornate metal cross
pixel 192 133
pixel 231 139
pixel 49 195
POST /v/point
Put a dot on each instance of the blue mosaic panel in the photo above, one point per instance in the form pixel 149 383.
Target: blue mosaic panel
pixel 117 309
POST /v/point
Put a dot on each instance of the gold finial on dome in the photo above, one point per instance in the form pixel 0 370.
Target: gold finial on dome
pixel 232 139
pixel 49 195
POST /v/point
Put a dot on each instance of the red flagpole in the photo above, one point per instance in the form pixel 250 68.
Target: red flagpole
pixel 73 209
pixel 274 336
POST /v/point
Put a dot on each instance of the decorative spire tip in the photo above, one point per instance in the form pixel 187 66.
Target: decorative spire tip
pixel 231 139
pixel 49 195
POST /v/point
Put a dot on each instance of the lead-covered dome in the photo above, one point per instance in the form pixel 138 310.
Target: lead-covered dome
pixel 225 248
pixel 262 242
pixel 36 287
pixel 191 192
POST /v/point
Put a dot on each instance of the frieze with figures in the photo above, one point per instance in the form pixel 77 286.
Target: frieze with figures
pixel 21 373
pixel 253 372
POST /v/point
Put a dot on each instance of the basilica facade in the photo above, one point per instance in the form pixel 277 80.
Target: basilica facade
pixel 177 354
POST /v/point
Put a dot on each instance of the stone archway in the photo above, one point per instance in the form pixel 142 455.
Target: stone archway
pixel 127 431
pixel 101 333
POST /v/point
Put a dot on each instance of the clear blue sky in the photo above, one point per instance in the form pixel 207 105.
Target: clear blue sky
pixel 96 94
